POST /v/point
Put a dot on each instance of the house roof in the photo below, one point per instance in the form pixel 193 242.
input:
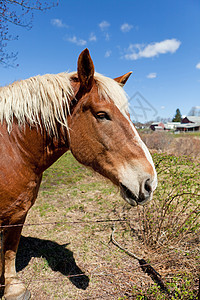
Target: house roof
pixel 193 119
pixel 155 123
pixel 188 125
pixel 173 123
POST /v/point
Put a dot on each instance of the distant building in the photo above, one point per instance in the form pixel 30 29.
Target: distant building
pixel 171 125
pixel 189 123
pixel 161 126
pixel 191 119
pixel 155 126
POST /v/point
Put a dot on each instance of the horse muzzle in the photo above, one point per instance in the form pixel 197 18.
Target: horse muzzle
pixel 144 195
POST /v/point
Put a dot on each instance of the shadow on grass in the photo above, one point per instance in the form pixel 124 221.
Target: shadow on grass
pixel 57 256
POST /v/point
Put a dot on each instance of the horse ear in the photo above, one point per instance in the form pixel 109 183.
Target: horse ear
pixel 123 79
pixel 85 70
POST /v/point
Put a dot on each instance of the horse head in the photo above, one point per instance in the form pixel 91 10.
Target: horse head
pixel 103 137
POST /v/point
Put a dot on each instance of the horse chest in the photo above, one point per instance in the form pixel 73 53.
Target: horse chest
pixel 16 200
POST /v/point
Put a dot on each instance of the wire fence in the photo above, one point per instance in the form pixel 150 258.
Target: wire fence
pixel 64 222
pixel 59 279
pixel 92 273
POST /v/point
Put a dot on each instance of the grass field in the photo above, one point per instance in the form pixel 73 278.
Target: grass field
pixel 188 134
pixel 72 257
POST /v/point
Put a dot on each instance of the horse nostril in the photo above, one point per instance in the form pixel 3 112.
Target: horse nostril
pixel 146 191
pixel 147 187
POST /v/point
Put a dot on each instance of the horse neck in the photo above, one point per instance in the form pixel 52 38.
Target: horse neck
pixel 38 150
pixel 53 147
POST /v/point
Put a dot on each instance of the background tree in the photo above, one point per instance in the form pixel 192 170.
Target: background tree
pixel 19 13
pixel 177 117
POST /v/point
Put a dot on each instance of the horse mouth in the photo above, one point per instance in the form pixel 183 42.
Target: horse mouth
pixel 132 199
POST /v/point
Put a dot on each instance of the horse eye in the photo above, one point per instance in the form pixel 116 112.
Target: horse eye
pixel 102 115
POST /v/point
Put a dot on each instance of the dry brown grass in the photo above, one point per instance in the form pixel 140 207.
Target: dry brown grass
pixel 158 140
pixel 167 142
pixel 186 146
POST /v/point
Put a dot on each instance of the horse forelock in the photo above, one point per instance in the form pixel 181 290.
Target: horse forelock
pixel 45 99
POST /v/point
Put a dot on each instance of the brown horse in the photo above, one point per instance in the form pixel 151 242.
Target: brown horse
pixel 43 117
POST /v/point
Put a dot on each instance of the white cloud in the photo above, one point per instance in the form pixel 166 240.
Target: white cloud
pixel 151 75
pixel 137 51
pixel 92 37
pixel 198 66
pixel 58 23
pixel 104 25
pixel 126 27
pixel 108 53
pixel 76 41
pixel 107 37
pixel 162 107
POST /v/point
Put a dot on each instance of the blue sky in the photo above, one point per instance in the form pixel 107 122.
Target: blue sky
pixel 158 40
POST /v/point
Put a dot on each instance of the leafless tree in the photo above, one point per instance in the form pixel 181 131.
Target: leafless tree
pixel 19 13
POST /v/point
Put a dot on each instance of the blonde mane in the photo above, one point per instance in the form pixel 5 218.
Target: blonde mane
pixel 46 99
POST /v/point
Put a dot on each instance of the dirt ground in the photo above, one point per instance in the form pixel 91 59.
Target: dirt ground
pixel 68 255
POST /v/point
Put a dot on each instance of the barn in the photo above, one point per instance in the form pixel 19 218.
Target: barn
pixel 157 126
pixel 189 123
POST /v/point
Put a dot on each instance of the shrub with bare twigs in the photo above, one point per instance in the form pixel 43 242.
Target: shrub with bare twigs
pixel 174 212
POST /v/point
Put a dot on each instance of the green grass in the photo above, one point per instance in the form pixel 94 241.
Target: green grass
pixel 65 170
pixel 187 134
pixel 180 284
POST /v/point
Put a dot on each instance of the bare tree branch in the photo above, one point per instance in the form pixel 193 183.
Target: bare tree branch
pixel 19 13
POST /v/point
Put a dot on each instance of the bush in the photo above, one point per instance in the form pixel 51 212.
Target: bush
pixel 159 140
pixel 187 146
pixel 174 212
pixel 165 142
